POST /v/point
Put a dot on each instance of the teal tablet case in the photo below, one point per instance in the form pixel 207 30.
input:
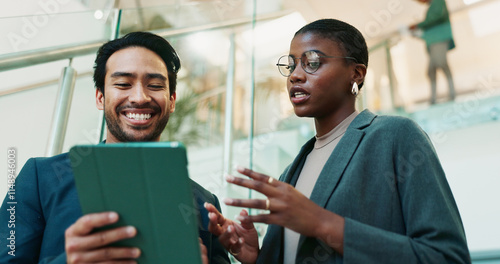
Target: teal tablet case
pixel 148 185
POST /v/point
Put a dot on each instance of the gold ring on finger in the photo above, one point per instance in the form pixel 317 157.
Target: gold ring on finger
pixel 233 253
pixel 270 180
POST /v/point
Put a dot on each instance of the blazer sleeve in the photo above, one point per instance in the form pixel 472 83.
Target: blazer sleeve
pixel 61 259
pixel 26 221
pixel 434 231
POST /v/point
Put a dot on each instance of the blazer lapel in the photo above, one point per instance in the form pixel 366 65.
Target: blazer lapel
pixel 339 159
pixel 336 164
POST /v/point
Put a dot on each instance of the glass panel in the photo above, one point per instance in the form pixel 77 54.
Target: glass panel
pixel 194 15
pixel 474 67
pixel 279 133
pixel 29 113
pixel 26 123
pixel 28 94
pixel 199 117
pixel 45 30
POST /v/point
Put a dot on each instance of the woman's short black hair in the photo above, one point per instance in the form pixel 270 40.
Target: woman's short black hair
pixel 146 40
pixel 349 39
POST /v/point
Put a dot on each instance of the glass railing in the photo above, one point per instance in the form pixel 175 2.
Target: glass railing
pixel 485 257
pixel 32 33
pixel 464 131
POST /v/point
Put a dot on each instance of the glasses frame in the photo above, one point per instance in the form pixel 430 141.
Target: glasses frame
pixel 303 64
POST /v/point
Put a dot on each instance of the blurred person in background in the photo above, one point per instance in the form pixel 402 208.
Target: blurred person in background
pixel 436 32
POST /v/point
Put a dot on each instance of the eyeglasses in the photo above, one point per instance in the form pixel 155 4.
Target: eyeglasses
pixel 310 61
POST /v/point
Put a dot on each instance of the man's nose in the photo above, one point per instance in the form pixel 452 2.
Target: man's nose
pixel 139 94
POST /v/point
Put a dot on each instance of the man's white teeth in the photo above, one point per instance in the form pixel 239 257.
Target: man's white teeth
pixel 299 95
pixel 138 116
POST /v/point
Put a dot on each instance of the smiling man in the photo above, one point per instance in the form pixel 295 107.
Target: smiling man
pixel 135 77
pixel 138 102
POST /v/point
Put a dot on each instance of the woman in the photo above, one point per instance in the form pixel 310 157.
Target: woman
pixel 366 189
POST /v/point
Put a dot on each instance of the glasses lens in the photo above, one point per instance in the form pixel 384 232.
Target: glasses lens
pixel 286 65
pixel 310 61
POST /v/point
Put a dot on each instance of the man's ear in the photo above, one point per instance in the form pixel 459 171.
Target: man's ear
pixel 173 97
pixel 359 73
pixel 99 99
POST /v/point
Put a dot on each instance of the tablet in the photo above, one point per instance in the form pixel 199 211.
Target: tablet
pixel 147 184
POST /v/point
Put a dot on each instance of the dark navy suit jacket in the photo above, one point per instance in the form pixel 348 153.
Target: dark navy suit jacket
pixel 47 204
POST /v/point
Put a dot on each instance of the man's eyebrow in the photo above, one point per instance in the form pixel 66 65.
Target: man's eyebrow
pixel 122 74
pixel 156 76
pixel 133 75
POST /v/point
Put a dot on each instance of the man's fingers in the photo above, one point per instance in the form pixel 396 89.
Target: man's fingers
pixel 213 225
pixel 109 236
pixel 106 254
pixel 85 224
pixel 213 210
pixel 244 222
pixel 217 220
pixel 100 239
pixel 228 238
pixel 203 249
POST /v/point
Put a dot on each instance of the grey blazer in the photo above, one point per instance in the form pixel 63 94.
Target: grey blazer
pixel 385 178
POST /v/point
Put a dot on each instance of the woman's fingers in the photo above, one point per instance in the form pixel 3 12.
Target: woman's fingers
pixel 256 176
pixel 260 186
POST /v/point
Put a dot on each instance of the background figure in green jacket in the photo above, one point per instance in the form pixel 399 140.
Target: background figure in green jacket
pixel 437 35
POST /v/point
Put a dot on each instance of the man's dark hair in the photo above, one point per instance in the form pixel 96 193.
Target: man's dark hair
pixel 146 40
pixel 349 39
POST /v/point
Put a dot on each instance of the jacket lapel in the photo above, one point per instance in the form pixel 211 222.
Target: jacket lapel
pixel 339 159
pixel 335 166
pixel 337 162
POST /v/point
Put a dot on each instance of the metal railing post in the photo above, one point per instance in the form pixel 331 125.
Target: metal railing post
pixel 115 32
pixel 228 128
pixel 61 111
pixel 390 74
